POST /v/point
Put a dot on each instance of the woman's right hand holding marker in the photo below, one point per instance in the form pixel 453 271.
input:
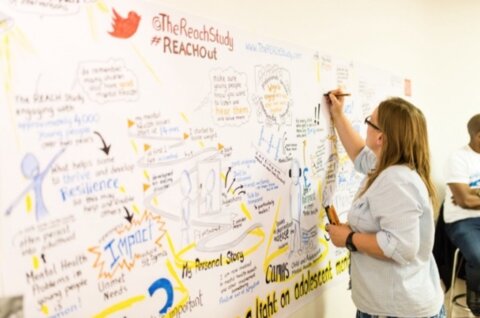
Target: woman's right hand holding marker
pixel 335 101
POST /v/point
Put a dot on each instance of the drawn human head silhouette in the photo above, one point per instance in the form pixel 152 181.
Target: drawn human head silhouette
pixel 30 166
pixel 295 171
pixel 6 24
pixel 185 183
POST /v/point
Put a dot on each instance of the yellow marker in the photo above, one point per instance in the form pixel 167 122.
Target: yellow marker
pixel 245 211
pixel 146 64
pixel 28 203
pixel 270 257
pixel 44 309
pixel 122 189
pixel 134 145
pixel 319 190
pixel 8 84
pixel 185 118
pixel 36 262
pixel 102 6
pixel 22 39
pixel 91 20
pixel 145 173
pixel 135 208
pixel 119 306
pixel 343 159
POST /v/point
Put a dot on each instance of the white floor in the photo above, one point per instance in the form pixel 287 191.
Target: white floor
pixel 458 311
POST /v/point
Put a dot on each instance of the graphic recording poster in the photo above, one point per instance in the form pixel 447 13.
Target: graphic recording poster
pixel 158 164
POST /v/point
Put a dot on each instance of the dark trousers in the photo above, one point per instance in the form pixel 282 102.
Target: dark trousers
pixel 465 234
pixel 441 314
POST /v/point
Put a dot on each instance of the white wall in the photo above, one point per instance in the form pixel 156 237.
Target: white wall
pixel 433 42
pixel 449 87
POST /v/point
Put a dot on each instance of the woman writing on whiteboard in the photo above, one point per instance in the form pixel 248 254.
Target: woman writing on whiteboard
pixel 390 227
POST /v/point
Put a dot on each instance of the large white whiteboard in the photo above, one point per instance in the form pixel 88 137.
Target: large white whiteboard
pixel 157 163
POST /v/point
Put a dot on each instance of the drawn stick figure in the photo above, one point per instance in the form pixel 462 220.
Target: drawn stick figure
pixel 31 170
pixel 295 173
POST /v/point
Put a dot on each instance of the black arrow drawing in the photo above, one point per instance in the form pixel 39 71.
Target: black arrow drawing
pixel 233 181
pixel 105 149
pixel 226 177
pixel 43 258
pixel 239 187
pixel 129 216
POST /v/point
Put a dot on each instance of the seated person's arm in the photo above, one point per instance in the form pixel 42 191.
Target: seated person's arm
pixel 465 196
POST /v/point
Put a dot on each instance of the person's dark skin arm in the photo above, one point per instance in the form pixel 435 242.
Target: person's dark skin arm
pixel 465 196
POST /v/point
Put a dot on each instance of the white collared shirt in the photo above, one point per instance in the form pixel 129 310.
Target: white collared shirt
pixel 397 208
pixel 463 166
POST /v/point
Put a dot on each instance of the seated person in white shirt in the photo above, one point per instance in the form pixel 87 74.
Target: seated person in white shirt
pixel 462 208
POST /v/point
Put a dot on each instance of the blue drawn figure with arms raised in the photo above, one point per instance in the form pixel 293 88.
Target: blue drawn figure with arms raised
pixel 31 170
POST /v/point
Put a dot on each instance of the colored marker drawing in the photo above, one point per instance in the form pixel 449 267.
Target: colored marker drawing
pixel 122 248
pixel 31 170
pixel 124 27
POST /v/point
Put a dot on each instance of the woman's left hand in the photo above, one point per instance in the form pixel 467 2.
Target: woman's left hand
pixel 338 233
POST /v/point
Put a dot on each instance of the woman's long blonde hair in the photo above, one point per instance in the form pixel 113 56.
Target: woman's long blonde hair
pixel 405 141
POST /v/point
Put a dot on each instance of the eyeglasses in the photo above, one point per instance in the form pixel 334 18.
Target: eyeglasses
pixel 368 122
